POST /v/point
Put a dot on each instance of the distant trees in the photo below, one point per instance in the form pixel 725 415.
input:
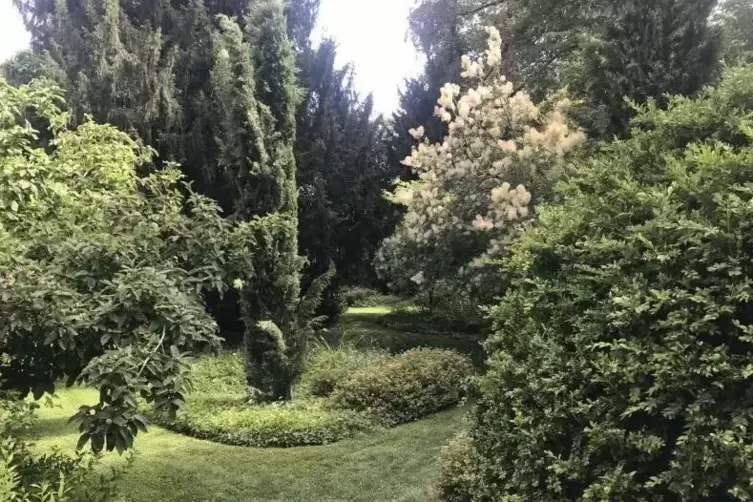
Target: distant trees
pixel 642 50
pixel 214 86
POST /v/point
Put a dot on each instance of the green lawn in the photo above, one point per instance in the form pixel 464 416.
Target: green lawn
pixel 394 465
pixel 391 465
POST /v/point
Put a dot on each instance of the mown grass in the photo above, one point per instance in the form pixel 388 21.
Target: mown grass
pixel 395 465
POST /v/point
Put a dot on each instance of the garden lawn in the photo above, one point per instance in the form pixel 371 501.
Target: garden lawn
pixel 394 465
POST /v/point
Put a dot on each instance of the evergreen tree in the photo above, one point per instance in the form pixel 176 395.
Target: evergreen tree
pixel 342 169
pixel 645 50
pixel 253 81
pixel 117 71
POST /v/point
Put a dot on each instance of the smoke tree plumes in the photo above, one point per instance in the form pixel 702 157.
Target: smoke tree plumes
pixel 497 160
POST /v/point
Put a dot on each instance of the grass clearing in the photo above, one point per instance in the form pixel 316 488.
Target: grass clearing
pixel 364 327
pixel 217 409
pixel 395 465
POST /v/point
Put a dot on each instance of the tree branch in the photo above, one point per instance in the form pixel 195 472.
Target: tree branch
pixel 151 354
pixel 482 7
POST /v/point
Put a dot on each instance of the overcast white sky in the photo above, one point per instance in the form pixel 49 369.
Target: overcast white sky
pixel 370 33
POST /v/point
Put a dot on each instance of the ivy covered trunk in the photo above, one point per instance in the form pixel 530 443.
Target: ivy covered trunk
pixel 256 97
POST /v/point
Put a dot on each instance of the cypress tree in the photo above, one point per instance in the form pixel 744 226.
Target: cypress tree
pixel 255 95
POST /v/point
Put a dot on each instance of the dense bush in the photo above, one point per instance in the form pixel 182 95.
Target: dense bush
pixel 325 366
pixel 407 386
pixel 217 409
pixel 357 296
pixel 26 476
pixel 620 368
pixel 458 470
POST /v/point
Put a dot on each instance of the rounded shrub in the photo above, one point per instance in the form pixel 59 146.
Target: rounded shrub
pixel 407 386
pixel 621 364
pixel 217 409
pixel 458 470
pixel 279 425
pixel 325 366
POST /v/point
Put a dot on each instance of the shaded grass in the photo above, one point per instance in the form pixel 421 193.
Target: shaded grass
pixel 364 327
pixel 396 465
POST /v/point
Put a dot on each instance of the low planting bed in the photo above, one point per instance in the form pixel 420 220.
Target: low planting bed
pixel 331 403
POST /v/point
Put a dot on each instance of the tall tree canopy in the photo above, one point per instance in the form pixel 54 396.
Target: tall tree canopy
pixel 644 50
pixel 96 51
pixel 342 168
pixel 603 49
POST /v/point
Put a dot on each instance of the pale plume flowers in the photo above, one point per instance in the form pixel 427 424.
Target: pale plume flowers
pixel 481 178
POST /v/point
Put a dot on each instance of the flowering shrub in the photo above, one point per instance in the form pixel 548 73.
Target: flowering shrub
pixel 497 160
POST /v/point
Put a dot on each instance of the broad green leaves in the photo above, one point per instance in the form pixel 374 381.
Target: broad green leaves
pixel 102 269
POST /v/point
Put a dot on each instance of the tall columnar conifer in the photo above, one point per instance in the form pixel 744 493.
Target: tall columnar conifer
pixel 255 93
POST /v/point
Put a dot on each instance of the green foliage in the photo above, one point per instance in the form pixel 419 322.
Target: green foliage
pixel 359 296
pixel 458 470
pixel 735 19
pixel 620 364
pixel 217 409
pixel 407 386
pixel 27 65
pixel 325 366
pixel 602 50
pixel 253 82
pixel 341 156
pixel 52 477
pixel 642 50
pixel 211 84
pixel 102 269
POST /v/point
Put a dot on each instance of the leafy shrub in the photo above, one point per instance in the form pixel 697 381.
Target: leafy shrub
pixel 357 296
pixel 407 386
pixel 102 274
pixel 217 409
pixel 280 425
pixel 326 366
pixel 621 363
pixel 28 477
pixel 458 470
